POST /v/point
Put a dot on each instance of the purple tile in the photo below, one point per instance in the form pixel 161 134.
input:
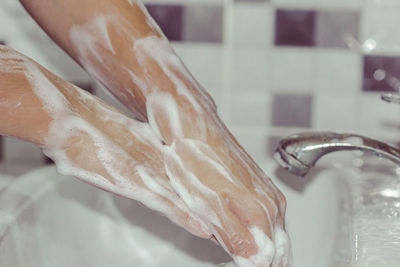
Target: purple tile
pixel 336 28
pixel 203 23
pixel 294 27
pixel 381 73
pixel 169 18
pixel 291 110
pixel 2 42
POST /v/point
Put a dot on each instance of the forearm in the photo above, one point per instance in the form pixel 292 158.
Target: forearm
pixel 120 46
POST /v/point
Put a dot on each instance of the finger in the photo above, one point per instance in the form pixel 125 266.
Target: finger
pixel 233 213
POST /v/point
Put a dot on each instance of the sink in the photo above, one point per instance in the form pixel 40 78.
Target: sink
pixel 375 214
pixel 47 220
pixel 353 212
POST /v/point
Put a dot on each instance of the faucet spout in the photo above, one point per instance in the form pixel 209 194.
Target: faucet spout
pixel 300 152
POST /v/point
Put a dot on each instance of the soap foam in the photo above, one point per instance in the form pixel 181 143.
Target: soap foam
pixel 90 41
pixel 124 176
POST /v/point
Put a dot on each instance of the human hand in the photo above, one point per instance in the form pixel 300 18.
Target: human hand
pixel 178 159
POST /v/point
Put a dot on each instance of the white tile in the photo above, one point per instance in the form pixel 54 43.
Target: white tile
pixel 334 112
pixel 338 70
pixel 292 69
pixel 379 30
pixel 252 25
pixel 249 68
pixel 375 115
pixel 250 109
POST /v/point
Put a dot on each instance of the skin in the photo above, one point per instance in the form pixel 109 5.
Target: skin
pixel 23 115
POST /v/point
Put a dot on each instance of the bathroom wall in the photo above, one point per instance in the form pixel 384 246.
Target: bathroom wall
pixel 273 67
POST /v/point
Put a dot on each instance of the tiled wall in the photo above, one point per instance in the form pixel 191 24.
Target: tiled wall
pixel 274 67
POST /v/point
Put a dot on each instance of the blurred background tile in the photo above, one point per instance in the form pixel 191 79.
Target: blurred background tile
pixel 292 69
pixel 250 108
pixel 292 110
pixel 336 28
pixel 169 18
pixel 249 68
pixel 334 111
pixel 381 73
pixel 337 71
pixel 191 23
pixel 203 23
pixel 294 27
pixel 252 25
pixel 376 117
pixel 378 30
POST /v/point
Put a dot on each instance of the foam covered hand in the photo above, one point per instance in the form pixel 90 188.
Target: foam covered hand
pixel 176 157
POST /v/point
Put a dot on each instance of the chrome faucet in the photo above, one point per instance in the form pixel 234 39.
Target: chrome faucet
pixel 299 153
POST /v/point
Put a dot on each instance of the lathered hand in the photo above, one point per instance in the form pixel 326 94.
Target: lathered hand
pixel 202 180
pixel 178 157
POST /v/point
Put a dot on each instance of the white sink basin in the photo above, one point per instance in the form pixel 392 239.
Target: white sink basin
pixel 347 215
pixel 375 215
pixel 51 220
